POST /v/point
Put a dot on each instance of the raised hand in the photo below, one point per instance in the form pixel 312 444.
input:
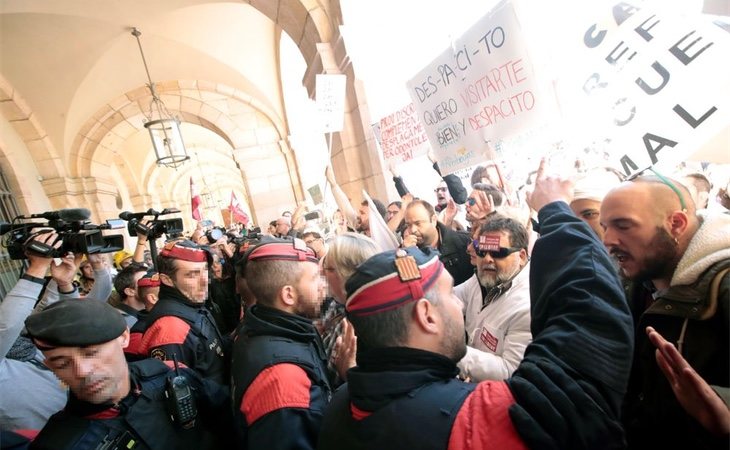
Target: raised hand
pixel 692 392
pixel 549 188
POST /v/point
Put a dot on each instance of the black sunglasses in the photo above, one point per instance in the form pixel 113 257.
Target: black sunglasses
pixel 503 252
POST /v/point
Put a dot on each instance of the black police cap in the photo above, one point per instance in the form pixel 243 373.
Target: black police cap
pixel 75 323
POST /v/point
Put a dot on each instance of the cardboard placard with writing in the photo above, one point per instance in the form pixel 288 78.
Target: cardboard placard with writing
pixel 401 136
pixel 482 89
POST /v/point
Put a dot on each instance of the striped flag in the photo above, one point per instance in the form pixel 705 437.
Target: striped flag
pixel 195 201
pixel 237 212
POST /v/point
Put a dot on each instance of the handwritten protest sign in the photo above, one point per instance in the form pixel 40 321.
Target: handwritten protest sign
pixel 481 89
pixel 330 91
pixel 653 86
pixel 401 136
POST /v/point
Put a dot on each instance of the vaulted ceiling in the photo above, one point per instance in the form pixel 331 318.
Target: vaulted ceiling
pixel 73 87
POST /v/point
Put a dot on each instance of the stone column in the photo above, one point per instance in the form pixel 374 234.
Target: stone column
pixel 354 156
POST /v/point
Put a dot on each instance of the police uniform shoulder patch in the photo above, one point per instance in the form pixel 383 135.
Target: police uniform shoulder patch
pixel 158 353
pixel 407 267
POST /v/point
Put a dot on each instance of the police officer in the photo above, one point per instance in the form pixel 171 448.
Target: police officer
pixel 113 404
pixel 280 385
pixel 180 324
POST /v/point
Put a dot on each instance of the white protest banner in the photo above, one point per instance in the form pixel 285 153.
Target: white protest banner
pixel 330 92
pixel 483 88
pixel 652 86
pixel 401 136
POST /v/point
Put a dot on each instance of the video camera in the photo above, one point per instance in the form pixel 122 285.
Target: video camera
pixel 76 233
pixel 156 227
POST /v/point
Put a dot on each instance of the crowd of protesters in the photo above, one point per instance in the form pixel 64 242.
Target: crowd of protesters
pixel 590 311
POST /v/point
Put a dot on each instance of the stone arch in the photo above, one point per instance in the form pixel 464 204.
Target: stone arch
pixel 20 116
pixel 307 22
pixel 124 116
pixel 222 110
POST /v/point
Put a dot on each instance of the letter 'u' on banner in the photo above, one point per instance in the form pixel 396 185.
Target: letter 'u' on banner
pixel 330 92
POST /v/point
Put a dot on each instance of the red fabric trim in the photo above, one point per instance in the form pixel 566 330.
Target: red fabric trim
pixel 151 281
pixel 483 420
pixel 357 413
pixel 171 364
pixel 284 251
pixel 108 413
pixel 276 387
pixel 135 344
pixel 390 292
pixel 166 330
pixel 29 434
pixel 185 253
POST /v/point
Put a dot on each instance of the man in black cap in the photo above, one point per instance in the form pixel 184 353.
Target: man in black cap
pixel 280 385
pixel 112 404
pixel 565 394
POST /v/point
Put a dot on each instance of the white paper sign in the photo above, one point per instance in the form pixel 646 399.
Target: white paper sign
pixel 331 101
pixel 401 136
pixel 483 88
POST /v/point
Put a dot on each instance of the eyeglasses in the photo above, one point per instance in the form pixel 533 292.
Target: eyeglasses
pixel 664 180
pixel 503 252
pixel 471 201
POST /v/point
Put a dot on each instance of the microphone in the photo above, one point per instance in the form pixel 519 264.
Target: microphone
pixel 67 215
pixel 6 227
pixel 126 215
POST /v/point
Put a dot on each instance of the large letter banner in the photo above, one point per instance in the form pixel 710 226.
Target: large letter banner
pixel 654 86
pixel 483 88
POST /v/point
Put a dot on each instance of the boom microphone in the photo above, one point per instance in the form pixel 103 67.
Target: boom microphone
pixel 67 215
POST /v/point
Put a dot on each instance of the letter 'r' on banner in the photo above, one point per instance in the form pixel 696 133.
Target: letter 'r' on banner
pixel 330 91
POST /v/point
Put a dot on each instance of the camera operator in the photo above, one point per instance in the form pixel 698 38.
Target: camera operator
pixel 141 248
pixel 61 285
pixel 29 392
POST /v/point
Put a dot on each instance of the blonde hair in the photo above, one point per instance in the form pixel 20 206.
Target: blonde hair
pixel 349 250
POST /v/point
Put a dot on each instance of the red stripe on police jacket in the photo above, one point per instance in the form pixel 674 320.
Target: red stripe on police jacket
pixel 135 344
pixel 483 421
pixel 276 387
pixel 166 330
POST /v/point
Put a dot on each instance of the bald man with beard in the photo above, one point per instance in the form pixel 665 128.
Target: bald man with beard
pixel 672 255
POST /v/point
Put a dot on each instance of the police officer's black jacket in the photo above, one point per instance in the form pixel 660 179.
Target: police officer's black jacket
pixel 267 338
pixel 140 419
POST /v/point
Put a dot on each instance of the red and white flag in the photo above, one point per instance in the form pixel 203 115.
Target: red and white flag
pixel 237 212
pixel 195 201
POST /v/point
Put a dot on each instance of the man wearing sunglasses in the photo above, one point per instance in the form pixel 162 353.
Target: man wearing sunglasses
pixel 674 257
pixel 497 301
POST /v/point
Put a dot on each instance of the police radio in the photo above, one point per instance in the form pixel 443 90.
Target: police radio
pixel 180 400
